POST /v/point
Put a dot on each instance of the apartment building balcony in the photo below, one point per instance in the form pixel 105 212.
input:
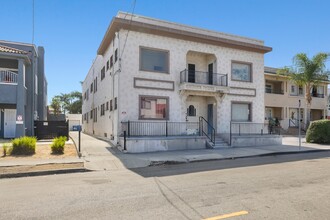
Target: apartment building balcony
pixel 317 95
pixel 274 87
pixel 203 81
pixel 8 87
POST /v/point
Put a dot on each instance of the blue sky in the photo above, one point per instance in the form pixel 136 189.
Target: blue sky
pixel 71 30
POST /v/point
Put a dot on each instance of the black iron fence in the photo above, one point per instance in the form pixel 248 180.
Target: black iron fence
pixel 207 129
pixel 51 129
pixel 248 128
pixel 200 77
pixel 274 91
pixel 161 128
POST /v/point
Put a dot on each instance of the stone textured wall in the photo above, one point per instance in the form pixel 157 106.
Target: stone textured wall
pixel 128 96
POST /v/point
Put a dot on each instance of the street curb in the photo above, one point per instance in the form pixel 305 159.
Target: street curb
pixel 43 173
pixel 173 162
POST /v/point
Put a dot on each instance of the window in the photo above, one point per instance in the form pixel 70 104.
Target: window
pixel 111 61
pixel 95 85
pixel 95 115
pixel 107 65
pixel 111 107
pixel 107 106
pixel 241 72
pixel 191 111
pixel 92 112
pixel 36 84
pixel 92 87
pixel 116 55
pixel 268 113
pixel 154 60
pixel 102 73
pixel 293 90
pixel 102 110
pixel 115 103
pixel 87 117
pixel 241 112
pixel 153 107
pixel 87 94
pixel 301 90
pixel 268 88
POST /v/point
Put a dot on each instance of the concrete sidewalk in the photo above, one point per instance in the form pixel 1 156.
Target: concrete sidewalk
pixel 100 155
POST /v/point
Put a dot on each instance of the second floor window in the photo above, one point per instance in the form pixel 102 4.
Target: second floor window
pixel 241 72
pixel 116 55
pixel 111 61
pixel 154 60
pixel 102 73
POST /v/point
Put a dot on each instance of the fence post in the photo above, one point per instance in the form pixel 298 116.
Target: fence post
pixel 239 129
pixel 166 129
pixel 230 134
pixel 262 131
pixel 67 130
pixel 124 140
pixel 128 128
pixel 79 140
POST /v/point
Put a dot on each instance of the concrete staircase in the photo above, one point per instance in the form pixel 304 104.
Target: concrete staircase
pixel 294 131
pixel 219 143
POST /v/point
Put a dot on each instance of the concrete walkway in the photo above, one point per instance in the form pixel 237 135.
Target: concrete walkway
pixel 100 155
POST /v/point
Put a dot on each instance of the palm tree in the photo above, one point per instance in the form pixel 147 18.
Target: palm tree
pixel 307 72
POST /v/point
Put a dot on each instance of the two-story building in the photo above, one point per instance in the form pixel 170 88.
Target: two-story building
pixel 282 100
pixel 23 88
pixel 148 71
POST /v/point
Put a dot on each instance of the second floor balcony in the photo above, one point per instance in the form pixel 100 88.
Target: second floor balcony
pixel 8 77
pixel 206 81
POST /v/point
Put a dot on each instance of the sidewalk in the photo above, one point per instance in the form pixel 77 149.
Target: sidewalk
pixel 100 155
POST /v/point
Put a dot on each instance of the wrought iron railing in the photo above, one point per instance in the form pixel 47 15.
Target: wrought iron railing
pixel 249 128
pixel 206 78
pixel 293 122
pixel 317 95
pixel 274 91
pixel 161 128
pixel 7 76
pixel 206 129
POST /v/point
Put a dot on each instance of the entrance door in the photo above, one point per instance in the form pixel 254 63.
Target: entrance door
pixel 9 123
pixel 210 117
pixel 191 73
pixel 210 73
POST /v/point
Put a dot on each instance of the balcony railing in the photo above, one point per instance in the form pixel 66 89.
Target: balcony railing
pixel 317 95
pixel 8 77
pixel 274 91
pixel 199 77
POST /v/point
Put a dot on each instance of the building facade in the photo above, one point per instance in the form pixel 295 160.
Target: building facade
pixel 282 100
pixel 23 88
pixel 148 70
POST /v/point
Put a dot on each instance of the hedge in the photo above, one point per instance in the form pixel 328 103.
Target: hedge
pixel 24 145
pixel 319 132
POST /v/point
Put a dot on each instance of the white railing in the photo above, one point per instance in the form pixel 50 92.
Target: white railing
pixel 7 76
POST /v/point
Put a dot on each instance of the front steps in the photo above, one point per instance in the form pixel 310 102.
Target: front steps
pixel 219 143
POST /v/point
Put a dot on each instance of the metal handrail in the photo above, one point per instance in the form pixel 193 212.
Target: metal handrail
pixel 200 77
pixel 7 76
pixel 212 135
pixel 274 91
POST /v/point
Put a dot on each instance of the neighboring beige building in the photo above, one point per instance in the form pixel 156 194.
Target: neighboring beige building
pixel 148 70
pixel 282 100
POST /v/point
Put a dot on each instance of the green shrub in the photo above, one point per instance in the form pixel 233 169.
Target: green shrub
pixel 319 132
pixel 5 149
pixel 24 146
pixel 58 145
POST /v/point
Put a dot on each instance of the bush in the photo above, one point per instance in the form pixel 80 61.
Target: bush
pixel 319 132
pixel 58 145
pixel 5 149
pixel 24 146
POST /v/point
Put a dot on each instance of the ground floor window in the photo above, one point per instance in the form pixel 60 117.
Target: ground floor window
pixel 153 107
pixel 241 111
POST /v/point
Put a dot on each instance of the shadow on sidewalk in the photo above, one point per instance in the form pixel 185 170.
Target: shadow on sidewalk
pixel 178 169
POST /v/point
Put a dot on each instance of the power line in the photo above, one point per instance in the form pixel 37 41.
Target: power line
pixel 132 14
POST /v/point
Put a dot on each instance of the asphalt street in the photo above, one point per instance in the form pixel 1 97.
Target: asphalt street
pixel 293 186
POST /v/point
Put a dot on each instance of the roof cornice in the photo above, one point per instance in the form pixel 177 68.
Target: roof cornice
pixel 120 23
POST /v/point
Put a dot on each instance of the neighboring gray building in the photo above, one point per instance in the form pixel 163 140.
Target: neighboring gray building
pixel 23 88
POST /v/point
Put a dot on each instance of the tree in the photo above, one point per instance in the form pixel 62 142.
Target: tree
pixel 56 105
pixel 307 72
pixel 70 102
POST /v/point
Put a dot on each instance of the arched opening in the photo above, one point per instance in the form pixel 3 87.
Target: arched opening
pixel 191 110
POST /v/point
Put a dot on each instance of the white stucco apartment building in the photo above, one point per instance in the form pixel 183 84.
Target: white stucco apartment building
pixel 148 70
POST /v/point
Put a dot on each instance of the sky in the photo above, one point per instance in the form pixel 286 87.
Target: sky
pixel 72 30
